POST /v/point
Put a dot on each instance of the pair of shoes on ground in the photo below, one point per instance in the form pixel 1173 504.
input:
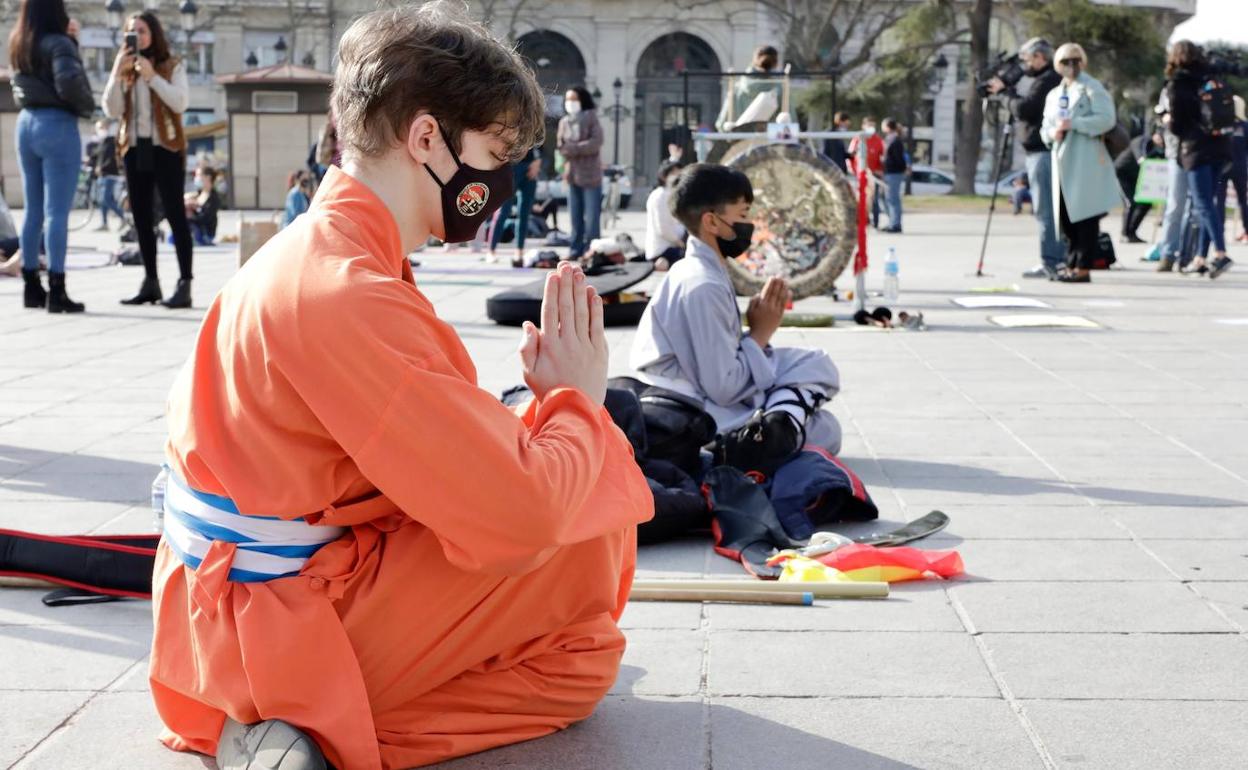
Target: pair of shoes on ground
pixel 149 292
pixel 268 745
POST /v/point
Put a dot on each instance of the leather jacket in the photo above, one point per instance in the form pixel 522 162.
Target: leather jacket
pixel 58 79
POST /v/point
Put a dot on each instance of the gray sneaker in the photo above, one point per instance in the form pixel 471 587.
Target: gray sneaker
pixel 269 745
pixel 1039 271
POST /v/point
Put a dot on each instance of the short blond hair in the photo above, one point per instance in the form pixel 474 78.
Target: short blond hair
pixel 396 63
pixel 1071 51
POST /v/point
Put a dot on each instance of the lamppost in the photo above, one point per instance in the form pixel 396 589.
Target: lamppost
pixel 280 47
pixel 251 61
pixel 617 88
pixel 187 11
pixel 116 11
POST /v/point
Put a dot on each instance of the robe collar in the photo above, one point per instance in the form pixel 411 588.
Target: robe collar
pixel 363 216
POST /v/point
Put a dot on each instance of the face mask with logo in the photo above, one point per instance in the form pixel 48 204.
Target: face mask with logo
pixel 735 247
pixel 572 108
pixel 470 196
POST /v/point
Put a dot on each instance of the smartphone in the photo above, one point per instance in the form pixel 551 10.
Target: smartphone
pixel 132 42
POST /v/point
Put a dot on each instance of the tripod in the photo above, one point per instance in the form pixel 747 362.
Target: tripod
pixel 1007 130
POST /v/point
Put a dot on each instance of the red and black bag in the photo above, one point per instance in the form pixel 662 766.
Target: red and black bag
pixel 93 568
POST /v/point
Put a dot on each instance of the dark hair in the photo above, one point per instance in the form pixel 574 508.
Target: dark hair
pixel 585 97
pixel 397 63
pixel 890 124
pixel 160 43
pixel 1184 55
pixel 35 19
pixel 665 168
pixel 840 117
pixel 209 172
pixel 704 187
pixel 766 56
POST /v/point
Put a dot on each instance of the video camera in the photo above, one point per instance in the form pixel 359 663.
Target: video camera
pixel 1007 67
pixel 1226 61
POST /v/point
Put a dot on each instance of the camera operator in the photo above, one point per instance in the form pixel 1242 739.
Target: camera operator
pixel 1037 58
pixel 1204 144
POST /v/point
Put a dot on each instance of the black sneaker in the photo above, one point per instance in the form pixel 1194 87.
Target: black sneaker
pixel 1220 266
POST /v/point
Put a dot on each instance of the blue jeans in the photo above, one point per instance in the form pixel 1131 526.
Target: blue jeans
pixel 585 208
pixel 1202 181
pixel 108 198
pixel 1040 175
pixel 522 203
pixel 1172 222
pixel 50 153
pixel 893 183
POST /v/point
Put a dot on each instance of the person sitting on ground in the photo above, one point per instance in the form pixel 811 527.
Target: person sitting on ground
pixel 690 340
pixel 298 198
pixel 1021 194
pixel 665 237
pixel 424 573
pixel 202 207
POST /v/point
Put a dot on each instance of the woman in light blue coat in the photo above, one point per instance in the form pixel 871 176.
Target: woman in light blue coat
pixel 1077 113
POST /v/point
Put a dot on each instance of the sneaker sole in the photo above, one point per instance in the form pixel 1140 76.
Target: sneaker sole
pixel 269 745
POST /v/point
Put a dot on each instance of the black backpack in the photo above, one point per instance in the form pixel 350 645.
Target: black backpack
pixel 1217 108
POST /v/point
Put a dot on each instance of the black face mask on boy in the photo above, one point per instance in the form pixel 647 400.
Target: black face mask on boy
pixel 470 196
pixel 737 246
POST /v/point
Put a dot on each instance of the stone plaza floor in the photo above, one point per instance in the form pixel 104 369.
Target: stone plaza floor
pixel 1097 482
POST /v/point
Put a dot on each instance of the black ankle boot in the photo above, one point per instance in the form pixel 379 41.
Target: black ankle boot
pixel 58 300
pixel 181 295
pixel 34 295
pixel 148 292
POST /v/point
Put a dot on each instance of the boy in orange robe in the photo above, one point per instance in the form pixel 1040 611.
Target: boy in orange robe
pixel 368 561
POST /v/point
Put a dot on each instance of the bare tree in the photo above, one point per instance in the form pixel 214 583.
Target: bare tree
pixel 507 15
pixel 979 16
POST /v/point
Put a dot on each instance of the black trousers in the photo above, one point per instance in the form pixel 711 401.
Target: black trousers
pixel 1080 238
pixel 1134 216
pixel 167 177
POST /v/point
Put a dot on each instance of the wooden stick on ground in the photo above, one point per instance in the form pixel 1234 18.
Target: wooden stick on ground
pixel 702 595
pixel 848 590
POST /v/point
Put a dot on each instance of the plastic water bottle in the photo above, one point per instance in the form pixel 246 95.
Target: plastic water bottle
pixel 158 499
pixel 892 275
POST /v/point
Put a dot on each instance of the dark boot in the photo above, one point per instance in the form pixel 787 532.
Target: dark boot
pixel 34 296
pixel 148 292
pixel 181 296
pixel 58 300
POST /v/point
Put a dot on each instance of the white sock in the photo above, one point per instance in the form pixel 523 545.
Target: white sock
pixel 793 410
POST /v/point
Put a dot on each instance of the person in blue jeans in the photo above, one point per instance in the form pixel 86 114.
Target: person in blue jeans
pixel 524 173
pixel 579 140
pixel 51 87
pixel 1202 152
pixel 895 165
pixel 108 172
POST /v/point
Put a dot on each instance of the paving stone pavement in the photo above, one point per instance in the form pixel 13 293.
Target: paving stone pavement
pixel 1097 482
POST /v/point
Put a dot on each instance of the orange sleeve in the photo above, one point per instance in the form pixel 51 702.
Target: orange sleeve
pixel 392 384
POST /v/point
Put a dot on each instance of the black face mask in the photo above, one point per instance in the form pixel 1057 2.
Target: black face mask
pixel 735 247
pixel 471 196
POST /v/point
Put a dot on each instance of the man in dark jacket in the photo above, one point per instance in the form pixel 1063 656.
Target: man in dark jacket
pixel 836 148
pixel 895 165
pixel 1028 109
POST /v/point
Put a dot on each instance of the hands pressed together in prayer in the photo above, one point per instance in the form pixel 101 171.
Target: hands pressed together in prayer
pixel 570 350
pixel 766 309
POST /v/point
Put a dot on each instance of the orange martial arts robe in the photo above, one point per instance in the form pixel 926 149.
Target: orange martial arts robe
pixel 472 601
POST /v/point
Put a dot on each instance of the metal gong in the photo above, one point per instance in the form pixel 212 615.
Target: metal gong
pixel 805 220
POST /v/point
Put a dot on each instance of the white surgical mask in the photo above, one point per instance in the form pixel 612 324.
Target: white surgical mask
pixel 572 108
pixel 869 129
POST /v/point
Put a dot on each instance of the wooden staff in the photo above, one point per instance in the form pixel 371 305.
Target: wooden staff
pixel 846 590
pixel 736 597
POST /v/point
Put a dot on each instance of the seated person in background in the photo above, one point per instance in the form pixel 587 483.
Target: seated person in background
pixel 299 193
pixel 202 207
pixel 665 237
pixel 1021 193
pixel 690 340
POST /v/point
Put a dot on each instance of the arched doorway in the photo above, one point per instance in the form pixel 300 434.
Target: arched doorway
pixel 660 98
pixel 559 65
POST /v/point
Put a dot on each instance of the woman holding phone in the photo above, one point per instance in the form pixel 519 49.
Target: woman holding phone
pixel 148 92
pixel 51 87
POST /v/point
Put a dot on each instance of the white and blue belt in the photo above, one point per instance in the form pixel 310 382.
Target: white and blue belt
pixel 268 547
